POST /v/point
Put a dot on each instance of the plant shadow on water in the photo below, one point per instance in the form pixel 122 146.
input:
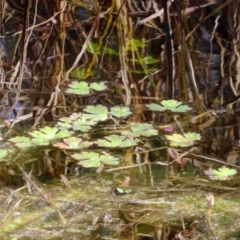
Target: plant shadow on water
pixel 110 131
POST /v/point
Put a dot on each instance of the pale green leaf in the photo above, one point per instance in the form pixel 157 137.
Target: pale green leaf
pixel 140 129
pixel 94 159
pixel 72 143
pixel 50 133
pixel 222 173
pixel 171 105
pixel 79 88
pixel 40 141
pixel 21 141
pixel 3 153
pixel 98 86
pixel 116 141
pixel 183 141
pixel 120 111
pixel 77 122
pixel 96 113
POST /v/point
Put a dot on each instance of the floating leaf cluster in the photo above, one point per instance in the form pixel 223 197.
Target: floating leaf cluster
pixel 85 88
pixel 73 133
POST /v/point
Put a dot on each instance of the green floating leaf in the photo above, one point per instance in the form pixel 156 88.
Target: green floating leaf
pixel 141 129
pixel 222 173
pixel 94 159
pixel 26 142
pixel 84 88
pixel 72 143
pixel 79 88
pixel 96 113
pixel 116 141
pixel 48 133
pixel 40 141
pixel 120 191
pixel 171 105
pixel 120 111
pixel 3 153
pixel 183 141
pixel 98 86
pixel 77 122
pixel 21 142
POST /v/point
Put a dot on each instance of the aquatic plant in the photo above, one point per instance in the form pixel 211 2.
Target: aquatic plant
pixel 223 173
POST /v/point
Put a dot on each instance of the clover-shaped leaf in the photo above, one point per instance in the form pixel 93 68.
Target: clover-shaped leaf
pixel 94 159
pixel 116 141
pixel 183 141
pixel 171 105
pixel 120 111
pixel 72 143
pixel 83 88
pixel 222 173
pixel 96 113
pixel 50 133
pixel 140 129
pixel 3 153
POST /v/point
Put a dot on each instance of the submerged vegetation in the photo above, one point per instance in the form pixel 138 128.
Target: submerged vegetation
pixel 125 112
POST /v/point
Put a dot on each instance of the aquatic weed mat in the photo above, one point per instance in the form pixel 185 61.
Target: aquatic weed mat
pixel 88 205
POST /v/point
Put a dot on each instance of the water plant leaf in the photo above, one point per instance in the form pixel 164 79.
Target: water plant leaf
pixel 79 88
pixel 21 141
pixel 50 133
pixel 121 191
pixel 40 141
pixel 3 153
pixel 98 86
pixel 183 141
pixel 94 159
pixel 77 122
pixel 171 105
pixel 116 141
pixel 26 142
pixel 120 111
pixel 222 173
pixel 96 113
pixel 72 143
pixel 140 129
pixel 84 88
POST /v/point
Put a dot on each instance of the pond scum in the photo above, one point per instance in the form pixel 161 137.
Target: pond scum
pixel 119 119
